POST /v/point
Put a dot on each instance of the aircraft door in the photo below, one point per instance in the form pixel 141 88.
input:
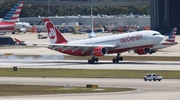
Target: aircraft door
pixel 144 39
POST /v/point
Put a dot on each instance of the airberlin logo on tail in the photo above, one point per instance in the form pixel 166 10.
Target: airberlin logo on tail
pixel 131 38
pixel 51 32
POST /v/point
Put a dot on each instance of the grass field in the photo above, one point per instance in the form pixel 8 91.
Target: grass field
pixel 86 73
pixel 19 90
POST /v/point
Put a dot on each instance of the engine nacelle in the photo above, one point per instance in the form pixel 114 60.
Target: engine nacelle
pixel 100 51
pixel 142 51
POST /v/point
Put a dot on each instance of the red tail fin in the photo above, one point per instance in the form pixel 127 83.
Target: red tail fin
pixel 54 34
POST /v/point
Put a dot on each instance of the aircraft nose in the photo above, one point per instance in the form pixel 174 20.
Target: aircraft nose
pixel 161 37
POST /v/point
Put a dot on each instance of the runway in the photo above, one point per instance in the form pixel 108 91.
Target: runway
pixel 82 64
pixel 166 89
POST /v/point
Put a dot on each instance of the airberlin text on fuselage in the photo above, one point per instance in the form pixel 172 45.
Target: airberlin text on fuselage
pixel 131 38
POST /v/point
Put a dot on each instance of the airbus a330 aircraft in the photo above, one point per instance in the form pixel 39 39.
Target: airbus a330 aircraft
pixel 101 46
pixel 8 23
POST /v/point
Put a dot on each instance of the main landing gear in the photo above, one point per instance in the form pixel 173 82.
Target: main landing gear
pixel 152 51
pixel 93 60
pixel 117 59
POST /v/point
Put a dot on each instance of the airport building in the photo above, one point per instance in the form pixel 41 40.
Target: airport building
pixel 87 20
pixel 165 15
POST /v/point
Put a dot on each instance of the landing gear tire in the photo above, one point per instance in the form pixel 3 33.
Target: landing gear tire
pixel 96 59
pixel 93 60
pixel 152 51
pixel 117 59
pixel 120 58
pixel 90 61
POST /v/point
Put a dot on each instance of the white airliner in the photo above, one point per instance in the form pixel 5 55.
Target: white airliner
pixel 22 26
pixel 101 46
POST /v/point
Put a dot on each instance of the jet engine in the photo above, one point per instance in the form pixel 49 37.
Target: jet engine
pixel 142 51
pixel 100 51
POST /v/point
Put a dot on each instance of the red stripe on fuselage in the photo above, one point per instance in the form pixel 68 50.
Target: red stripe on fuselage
pixel 79 52
pixel 7 23
pixel 7 28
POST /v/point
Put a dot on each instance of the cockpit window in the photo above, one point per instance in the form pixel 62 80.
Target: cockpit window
pixel 156 34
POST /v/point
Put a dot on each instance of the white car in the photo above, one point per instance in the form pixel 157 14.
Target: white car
pixel 2 33
pixel 152 77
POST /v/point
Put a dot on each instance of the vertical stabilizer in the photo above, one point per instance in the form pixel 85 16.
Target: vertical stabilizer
pixel 54 34
pixel 172 35
pixel 13 14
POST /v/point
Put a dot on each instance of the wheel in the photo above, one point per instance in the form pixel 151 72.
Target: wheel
pixel 121 58
pixel 159 80
pixel 154 79
pixel 89 61
pixel 149 80
pixel 117 60
pixel 13 32
pixel 114 60
pixel 96 59
pixel 145 79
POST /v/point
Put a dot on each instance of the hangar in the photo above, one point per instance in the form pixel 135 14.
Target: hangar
pixel 165 14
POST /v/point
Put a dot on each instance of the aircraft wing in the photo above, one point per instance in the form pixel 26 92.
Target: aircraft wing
pixel 65 46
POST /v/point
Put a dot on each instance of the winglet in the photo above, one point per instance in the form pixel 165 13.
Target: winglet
pixel 19 41
pixel 54 34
